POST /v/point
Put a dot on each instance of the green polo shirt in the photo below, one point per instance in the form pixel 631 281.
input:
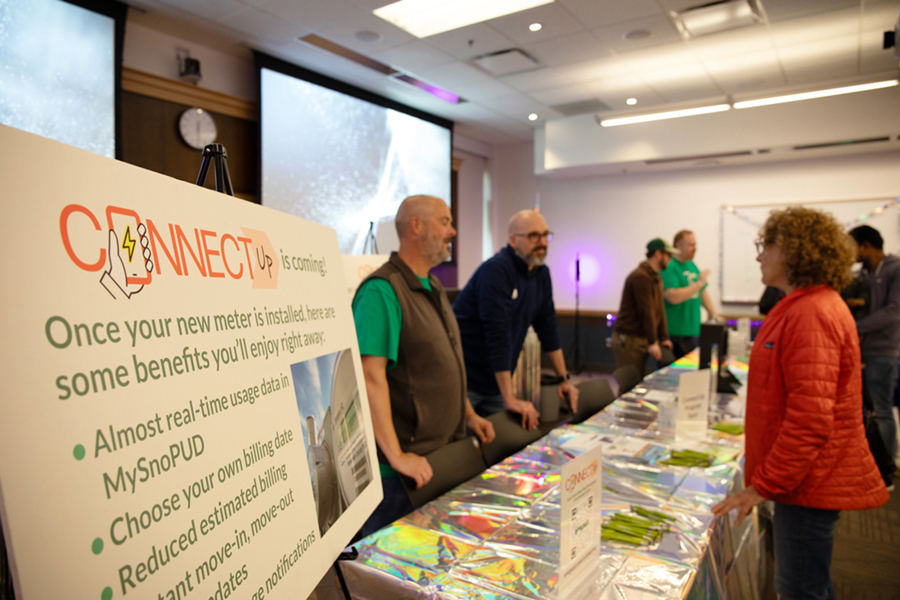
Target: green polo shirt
pixel 683 319
pixel 376 312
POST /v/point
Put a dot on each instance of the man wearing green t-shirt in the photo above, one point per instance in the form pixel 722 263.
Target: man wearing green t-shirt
pixel 412 357
pixel 685 291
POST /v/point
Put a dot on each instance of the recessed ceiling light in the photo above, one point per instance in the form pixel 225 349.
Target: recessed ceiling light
pixel 672 114
pixel 423 18
pixel 532 117
pixel 367 36
pixel 819 94
pixel 637 35
pixel 631 101
pixel 535 27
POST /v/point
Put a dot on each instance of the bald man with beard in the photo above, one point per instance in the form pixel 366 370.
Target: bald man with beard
pixel 508 293
pixel 412 357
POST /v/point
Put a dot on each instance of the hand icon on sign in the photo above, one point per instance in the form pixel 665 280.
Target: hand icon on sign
pixel 115 278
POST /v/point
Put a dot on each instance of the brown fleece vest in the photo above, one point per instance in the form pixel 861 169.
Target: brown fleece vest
pixel 428 383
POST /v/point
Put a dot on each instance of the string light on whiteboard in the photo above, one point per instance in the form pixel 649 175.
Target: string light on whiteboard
pixel 879 210
pixel 874 213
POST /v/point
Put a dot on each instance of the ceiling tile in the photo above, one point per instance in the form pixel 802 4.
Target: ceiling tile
pixel 212 10
pixel 555 21
pixel 680 5
pixel 679 83
pixel 539 79
pixel 777 11
pixel 519 106
pixel 731 43
pixel 469 42
pixel 466 81
pixel 822 75
pixel 591 70
pixel 886 64
pixel 371 5
pixel 746 72
pixel 344 34
pixel 661 32
pixel 873 58
pixel 657 58
pixel 486 134
pixel 473 113
pixel 314 14
pixel 413 57
pixel 567 49
pixel 256 24
pixel 614 91
pixel 816 28
pixel 602 13
pixel 562 95
pixel 819 54
pixel 881 16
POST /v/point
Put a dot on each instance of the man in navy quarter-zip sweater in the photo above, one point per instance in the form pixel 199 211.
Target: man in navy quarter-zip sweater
pixel 508 293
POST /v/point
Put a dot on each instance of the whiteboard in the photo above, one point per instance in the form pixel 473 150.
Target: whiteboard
pixel 740 278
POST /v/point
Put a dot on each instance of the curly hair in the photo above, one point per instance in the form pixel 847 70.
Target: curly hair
pixel 814 246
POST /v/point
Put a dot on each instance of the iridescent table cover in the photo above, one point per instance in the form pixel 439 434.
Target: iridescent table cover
pixel 497 535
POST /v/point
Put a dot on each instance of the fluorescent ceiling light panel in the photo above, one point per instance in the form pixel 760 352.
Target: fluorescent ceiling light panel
pixel 820 94
pixel 423 18
pixel 673 114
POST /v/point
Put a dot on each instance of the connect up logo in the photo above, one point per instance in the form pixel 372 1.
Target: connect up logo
pixel 586 473
pixel 131 251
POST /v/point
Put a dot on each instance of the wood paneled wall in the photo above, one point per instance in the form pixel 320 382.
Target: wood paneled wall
pixel 151 108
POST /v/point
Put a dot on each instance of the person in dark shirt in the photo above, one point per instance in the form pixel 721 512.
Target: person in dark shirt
pixel 879 327
pixel 640 329
pixel 769 299
pixel 508 293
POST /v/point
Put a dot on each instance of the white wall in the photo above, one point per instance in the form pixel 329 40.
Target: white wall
pixel 514 186
pixel 608 220
pixel 470 196
pixel 155 52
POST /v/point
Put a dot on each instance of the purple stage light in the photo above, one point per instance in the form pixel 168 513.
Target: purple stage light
pixel 434 90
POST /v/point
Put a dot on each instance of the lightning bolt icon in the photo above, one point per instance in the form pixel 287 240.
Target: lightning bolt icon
pixel 128 243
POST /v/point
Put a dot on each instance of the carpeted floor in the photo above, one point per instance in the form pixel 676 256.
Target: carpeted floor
pixel 866 560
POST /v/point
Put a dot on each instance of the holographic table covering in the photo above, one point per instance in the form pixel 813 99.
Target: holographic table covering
pixel 497 535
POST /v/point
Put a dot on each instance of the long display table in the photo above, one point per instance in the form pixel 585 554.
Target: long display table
pixel 497 535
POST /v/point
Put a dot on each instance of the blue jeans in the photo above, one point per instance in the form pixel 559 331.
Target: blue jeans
pixel 486 406
pixel 803 539
pixel 393 506
pixel 880 376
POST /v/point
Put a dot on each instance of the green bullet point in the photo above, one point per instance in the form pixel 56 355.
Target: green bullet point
pixel 107 594
pixel 78 452
pixel 97 546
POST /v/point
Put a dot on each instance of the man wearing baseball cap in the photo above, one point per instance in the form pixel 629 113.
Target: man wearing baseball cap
pixel 641 323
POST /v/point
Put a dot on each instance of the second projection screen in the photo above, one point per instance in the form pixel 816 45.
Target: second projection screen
pixel 345 162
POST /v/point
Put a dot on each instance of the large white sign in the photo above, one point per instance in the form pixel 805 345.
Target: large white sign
pixel 182 414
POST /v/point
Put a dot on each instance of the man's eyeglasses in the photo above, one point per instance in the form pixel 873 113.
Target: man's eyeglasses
pixel 760 246
pixel 535 236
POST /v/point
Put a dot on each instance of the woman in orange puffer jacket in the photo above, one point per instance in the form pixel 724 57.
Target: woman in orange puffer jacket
pixel 806 447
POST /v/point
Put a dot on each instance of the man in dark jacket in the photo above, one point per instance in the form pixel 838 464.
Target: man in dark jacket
pixel 879 330
pixel 508 293
pixel 641 323
pixel 411 357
